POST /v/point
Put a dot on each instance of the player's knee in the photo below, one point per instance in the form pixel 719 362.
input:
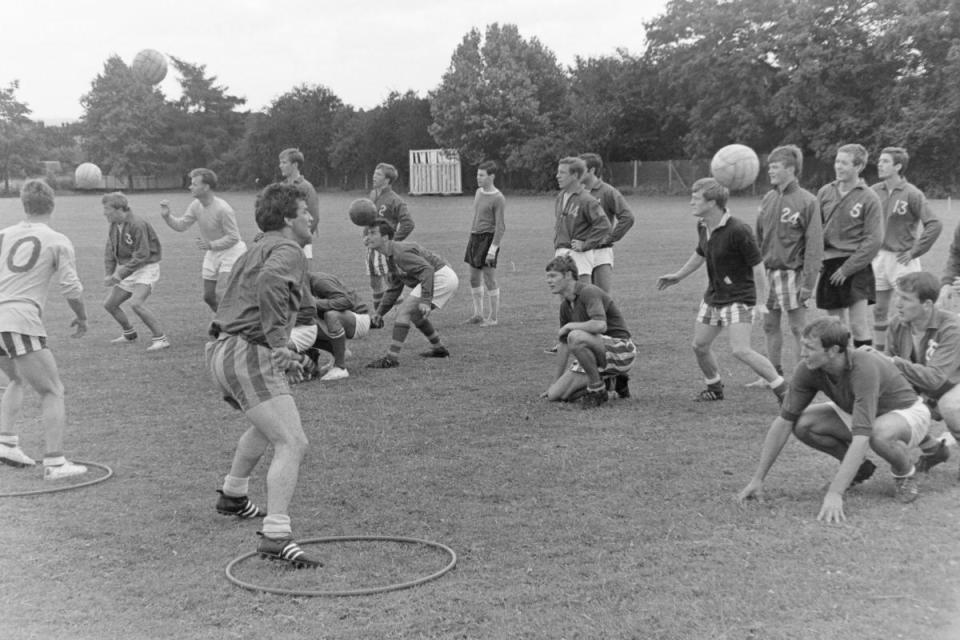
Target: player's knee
pixel 803 428
pixel 701 348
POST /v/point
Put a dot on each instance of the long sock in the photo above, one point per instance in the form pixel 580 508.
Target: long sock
pixel 427 329
pixel 400 331
pixel 54 459
pixel 277 525
pixel 494 303
pixel 377 297
pixel 338 346
pixel 235 487
pixel 477 294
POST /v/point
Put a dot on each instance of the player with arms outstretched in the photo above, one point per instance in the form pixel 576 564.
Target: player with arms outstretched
pixel 31 254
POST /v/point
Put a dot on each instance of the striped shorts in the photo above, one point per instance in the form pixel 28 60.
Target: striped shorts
pixel 735 313
pixel 244 372
pixel 784 289
pixel 376 263
pixel 620 354
pixel 13 344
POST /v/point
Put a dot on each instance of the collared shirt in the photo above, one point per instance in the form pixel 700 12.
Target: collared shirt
pixel 131 244
pixel 393 208
pixel 790 232
pixel 615 206
pixel 852 225
pixel 731 253
pixel 933 366
pixel 409 264
pixel 579 217
pixel 593 303
pixel 905 212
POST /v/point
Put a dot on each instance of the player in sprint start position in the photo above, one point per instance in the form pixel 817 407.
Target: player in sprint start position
pixel 249 361
pixel 219 234
pixel 132 264
pixel 31 253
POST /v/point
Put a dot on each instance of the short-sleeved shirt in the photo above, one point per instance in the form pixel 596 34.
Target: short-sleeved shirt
pixel 731 253
pixel 593 303
pixel 869 386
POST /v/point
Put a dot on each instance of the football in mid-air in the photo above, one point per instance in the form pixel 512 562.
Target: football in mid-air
pixel 362 212
pixel 735 166
pixel 150 66
pixel 88 176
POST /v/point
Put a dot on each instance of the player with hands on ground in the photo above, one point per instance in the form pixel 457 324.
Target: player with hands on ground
pixel 871 406
pixel 31 254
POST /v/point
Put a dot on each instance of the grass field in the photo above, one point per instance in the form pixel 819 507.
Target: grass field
pixel 613 523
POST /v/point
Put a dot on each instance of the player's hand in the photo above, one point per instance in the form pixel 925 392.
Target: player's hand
pixel 81 325
pixel 832 509
pixel 164 207
pixel 667 281
pixel 753 491
pixel 576 245
pixel 837 278
pixel 804 296
pixel 905 257
pixel 284 358
pixel 111 281
pixel 759 312
pixel 203 244
pixel 562 333
pixel 424 308
pixel 376 321
pixel 491 259
pixel 545 395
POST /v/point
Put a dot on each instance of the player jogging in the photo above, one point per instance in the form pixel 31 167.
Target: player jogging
pixel 910 229
pixel 486 233
pixel 31 254
pixel 132 265
pixel 219 235
pixel 249 359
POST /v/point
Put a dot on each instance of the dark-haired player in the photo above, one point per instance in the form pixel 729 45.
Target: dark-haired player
pixel 291 167
pixel 391 207
pixel 486 234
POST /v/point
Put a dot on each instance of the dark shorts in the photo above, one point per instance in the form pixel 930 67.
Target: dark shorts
pixel 477 249
pixel 859 286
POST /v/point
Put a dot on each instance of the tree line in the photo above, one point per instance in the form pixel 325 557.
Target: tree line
pixel 816 73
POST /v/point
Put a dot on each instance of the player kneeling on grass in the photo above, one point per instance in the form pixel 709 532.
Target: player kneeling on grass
pixel 249 361
pixel 132 264
pixel 593 337
pixel 871 406
pixel 335 315
pixel 34 254
pixel 434 284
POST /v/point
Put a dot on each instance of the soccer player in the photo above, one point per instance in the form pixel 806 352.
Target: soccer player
pixel 910 229
pixel 594 339
pixel 581 225
pixel 248 360
pixel 291 165
pixel 132 263
pixel 621 220
pixel 433 282
pixel 219 234
pixel 618 213
pixel 336 315
pixel 790 236
pixel 734 271
pixel 871 406
pixel 923 342
pixel 852 235
pixel 484 244
pixel 394 209
pixel 31 254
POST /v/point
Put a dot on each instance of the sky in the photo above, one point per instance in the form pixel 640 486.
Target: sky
pixel 261 49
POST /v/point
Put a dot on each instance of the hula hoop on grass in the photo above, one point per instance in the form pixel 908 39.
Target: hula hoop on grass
pixel 79 485
pixel 351 592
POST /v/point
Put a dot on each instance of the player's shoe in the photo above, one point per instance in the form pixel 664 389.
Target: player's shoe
pixel 475 319
pixel 593 399
pixel 386 362
pixel 489 322
pixel 241 506
pixel 125 338
pixel 287 550
pixel 929 460
pixel 61 471
pixel 159 344
pixel 436 352
pixel 908 489
pixel 552 350
pixel 15 457
pixel 867 467
pixel 335 373
pixel 621 384
pixel 712 393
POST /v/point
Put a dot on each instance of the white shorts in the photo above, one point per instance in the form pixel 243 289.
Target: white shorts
pixel 148 274
pixel 445 283
pixel 308 250
pixel 362 328
pixel 917 417
pixel 217 262
pixel 603 255
pixel 302 337
pixel 886 269
pixel 583 259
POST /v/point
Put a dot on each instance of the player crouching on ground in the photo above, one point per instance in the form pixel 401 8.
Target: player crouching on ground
pixel 871 405
pixel 249 360
pixel 593 337
pixel 434 284
pixel 336 315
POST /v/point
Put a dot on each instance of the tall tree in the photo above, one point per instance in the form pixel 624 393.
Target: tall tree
pixel 18 138
pixel 124 121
